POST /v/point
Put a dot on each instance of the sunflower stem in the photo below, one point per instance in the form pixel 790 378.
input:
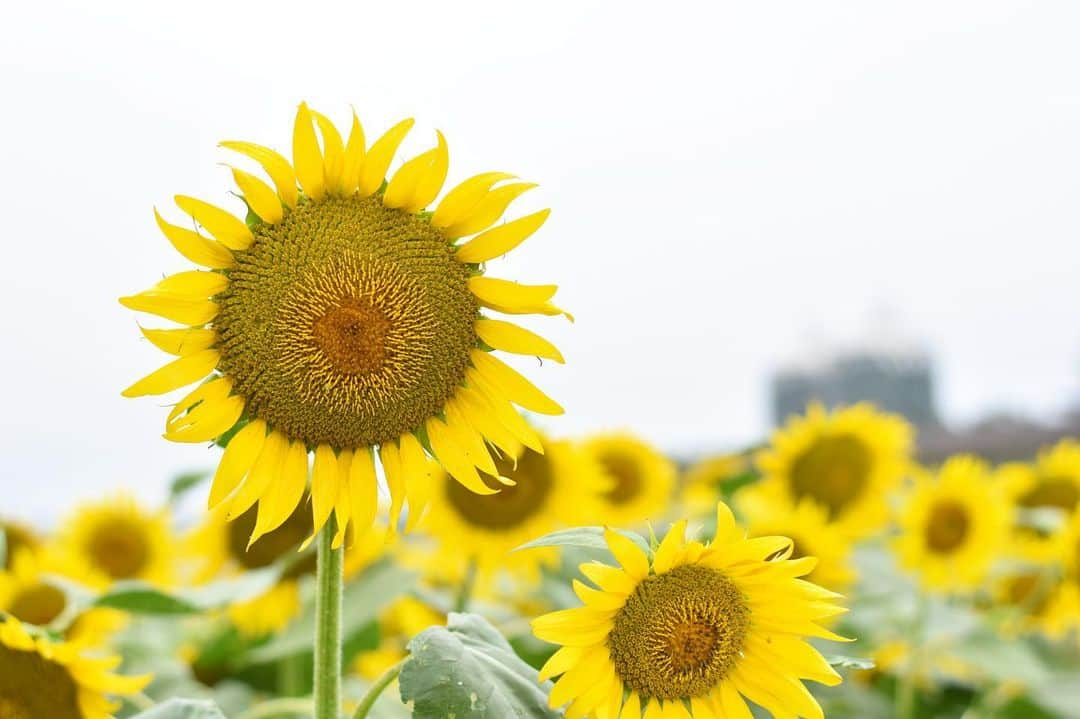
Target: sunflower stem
pixel 461 603
pixel 905 691
pixel 375 690
pixel 328 593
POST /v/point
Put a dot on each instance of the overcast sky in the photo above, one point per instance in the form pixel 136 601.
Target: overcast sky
pixel 734 186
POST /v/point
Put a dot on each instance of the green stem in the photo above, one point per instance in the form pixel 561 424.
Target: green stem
pixel 376 690
pixel 461 603
pixel 328 626
pixel 290 676
pixel 905 690
pixel 291 706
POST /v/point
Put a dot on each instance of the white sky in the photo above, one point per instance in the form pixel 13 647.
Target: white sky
pixel 726 180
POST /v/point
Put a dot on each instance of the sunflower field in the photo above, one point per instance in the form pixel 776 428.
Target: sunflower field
pixel 391 524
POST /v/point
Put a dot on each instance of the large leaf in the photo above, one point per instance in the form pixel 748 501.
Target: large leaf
pixel 467 670
pixel 585 537
pixel 182 709
pixel 142 598
pixel 365 598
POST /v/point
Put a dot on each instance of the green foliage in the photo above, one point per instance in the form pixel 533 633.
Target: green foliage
pixel 142 598
pixel 184 483
pixel 584 537
pixel 183 709
pixel 468 670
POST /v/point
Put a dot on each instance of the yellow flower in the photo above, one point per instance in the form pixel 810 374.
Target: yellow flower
pixel 695 632
pixel 954 525
pixel 551 491
pixel 811 534
pixel 115 539
pixel 701 483
pixel 268 613
pixel 847 460
pixel 17 536
pixel 28 594
pixel 402 621
pixel 42 679
pixel 642 479
pixel 1050 484
pixel 342 318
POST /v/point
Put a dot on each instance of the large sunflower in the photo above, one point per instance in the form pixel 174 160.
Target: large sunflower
pixel 115 539
pixel 642 480
pixel 954 525
pixel 551 490
pixel 847 461
pixel 1050 484
pixel 40 678
pixel 17 536
pixel 345 317
pixel 695 632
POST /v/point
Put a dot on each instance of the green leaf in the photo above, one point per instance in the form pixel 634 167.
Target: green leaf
pixel 1001 660
pixel 467 670
pixel 139 598
pixel 184 483
pixel 365 597
pixel 844 662
pixel 142 598
pixel 586 537
pixel 182 709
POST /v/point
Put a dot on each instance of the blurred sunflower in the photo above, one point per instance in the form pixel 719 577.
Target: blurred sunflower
pixel 43 679
pixel 28 594
pixel 703 481
pixel 1040 601
pixel 551 490
pixel 403 620
pixel 847 460
pixel 17 536
pixel 115 539
pixel 641 479
pixel 694 633
pixel 811 534
pixel 1050 484
pixel 953 525
pixel 342 318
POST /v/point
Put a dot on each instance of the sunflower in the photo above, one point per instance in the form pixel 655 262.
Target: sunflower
pixel 17 536
pixel 345 317
pixel 41 678
pixel 115 539
pixel 641 479
pixel 551 490
pixel 29 594
pixel 847 460
pixel 953 525
pixel 807 525
pixel 702 482
pixel 1050 484
pixel 695 632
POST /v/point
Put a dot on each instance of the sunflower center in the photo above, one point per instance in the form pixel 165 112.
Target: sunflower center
pixel 680 633
pixel 511 506
pixel 32 687
pixel 947 527
pixel 38 604
pixel 1057 492
pixel 833 472
pixel 119 549
pixel 348 323
pixel 627 476
pixel 1028 591
pixel 273 545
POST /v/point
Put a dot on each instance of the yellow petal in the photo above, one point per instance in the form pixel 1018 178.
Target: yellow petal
pixel 470 442
pixel 324 486
pixel 275 506
pixel 492 401
pixel 172 306
pixel 506 293
pixel 214 390
pixel 474 411
pixel 354 156
pixel 500 240
pixel 432 181
pixel 194 283
pixel 274 164
pixel 225 228
pixel 668 550
pixel 453 458
pixel 208 421
pixel 702 708
pixel 265 471
pixel 508 337
pixel 403 186
pixel 395 480
pixel 178 373
pixel 240 455
pixel 195 247
pixel 420 477
pixel 307 159
pixel 461 200
pixel 343 505
pixel 182 341
pixel 260 197
pixel 363 491
pixel 513 385
pixel 654 710
pixel 490 208
pixel 333 153
pixel 632 708
pixel 628 554
pixel 561 661
pixel 379 157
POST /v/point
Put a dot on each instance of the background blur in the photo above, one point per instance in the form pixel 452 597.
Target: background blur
pixel 747 198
